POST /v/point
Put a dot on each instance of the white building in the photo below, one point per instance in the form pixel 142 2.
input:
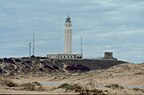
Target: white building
pixel 67 44
pixel 64 56
pixel 68 36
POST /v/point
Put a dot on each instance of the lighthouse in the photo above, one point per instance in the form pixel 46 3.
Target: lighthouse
pixel 67 44
pixel 68 36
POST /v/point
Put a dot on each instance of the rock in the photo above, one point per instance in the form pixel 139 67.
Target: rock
pixel 76 68
pixel 27 65
pixel 9 60
pixel 11 85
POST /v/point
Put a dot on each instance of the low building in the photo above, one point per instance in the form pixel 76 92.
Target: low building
pixel 109 56
pixel 64 56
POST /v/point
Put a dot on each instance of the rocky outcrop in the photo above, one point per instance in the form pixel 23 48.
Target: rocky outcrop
pixel 77 68
pixel 25 65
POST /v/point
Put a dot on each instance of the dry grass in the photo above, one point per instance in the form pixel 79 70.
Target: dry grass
pixel 32 87
pixel 7 82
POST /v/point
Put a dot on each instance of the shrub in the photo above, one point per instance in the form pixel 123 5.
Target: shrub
pixel 92 92
pixel 138 89
pixel 35 86
pixel 77 88
pixel 114 86
pixel 37 83
pixel 28 86
pixel 71 87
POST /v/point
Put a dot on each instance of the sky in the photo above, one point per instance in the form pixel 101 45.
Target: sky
pixel 106 26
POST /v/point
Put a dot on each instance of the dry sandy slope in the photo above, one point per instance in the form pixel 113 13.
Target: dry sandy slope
pixel 124 74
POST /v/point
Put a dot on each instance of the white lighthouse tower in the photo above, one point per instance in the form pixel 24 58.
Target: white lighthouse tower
pixel 67 44
pixel 68 36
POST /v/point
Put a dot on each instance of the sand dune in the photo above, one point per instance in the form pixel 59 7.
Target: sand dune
pixel 125 75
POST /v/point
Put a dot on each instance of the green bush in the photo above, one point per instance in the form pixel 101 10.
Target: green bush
pixel 35 86
pixel 28 86
pixel 71 87
pixel 92 92
pixel 37 83
pixel 114 86
pixel 138 89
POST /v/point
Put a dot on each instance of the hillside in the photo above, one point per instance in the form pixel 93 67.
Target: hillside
pixel 124 74
pixel 20 66
pixel 121 79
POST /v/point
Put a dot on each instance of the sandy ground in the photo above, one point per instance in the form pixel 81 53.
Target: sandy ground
pixel 124 75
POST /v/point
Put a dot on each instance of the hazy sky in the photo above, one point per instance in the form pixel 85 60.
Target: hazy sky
pixel 106 25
